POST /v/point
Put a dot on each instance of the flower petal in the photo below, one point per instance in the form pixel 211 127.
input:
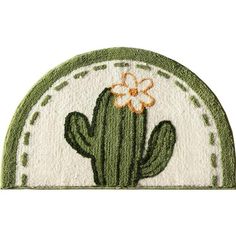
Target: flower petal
pixel 130 80
pixel 135 105
pixel 122 101
pixel 146 99
pixel 145 84
pixel 119 89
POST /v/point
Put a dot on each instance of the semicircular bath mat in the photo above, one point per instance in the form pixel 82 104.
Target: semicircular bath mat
pixel 119 118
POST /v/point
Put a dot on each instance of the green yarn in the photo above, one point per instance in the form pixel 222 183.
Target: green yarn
pixel 24 159
pixel 26 138
pixel 209 99
pixel 206 119
pixel 121 64
pixel 101 67
pixel 195 101
pixel 180 85
pixel 115 142
pixel 24 179
pixel 46 100
pixel 81 74
pixel 61 86
pixel 215 181
pixel 212 139
pixel 163 74
pixel 144 67
pixel 34 118
pixel 213 160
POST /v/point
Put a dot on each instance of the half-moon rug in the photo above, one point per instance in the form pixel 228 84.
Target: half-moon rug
pixel 119 118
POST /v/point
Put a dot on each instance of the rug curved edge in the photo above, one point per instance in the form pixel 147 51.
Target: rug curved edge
pixel 152 58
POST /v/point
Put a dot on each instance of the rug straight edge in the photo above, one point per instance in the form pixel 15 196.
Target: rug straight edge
pixel 120 188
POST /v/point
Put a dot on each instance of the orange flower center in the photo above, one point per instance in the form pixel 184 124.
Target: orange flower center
pixel 133 92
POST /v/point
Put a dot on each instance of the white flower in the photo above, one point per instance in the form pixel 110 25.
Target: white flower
pixel 133 93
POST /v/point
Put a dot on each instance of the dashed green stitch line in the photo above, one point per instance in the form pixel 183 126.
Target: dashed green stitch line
pixel 24 180
pixel 24 159
pixel 213 160
pixel 215 181
pixel 81 74
pixel 163 74
pixel 26 138
pixel 61 86
pixel 121 64
pixel 195 101
pixel 46 100
pixel 34 117
pixel 212 138
pixel 181 86
pixel 206 119
pixel 144 67
pixel 101 67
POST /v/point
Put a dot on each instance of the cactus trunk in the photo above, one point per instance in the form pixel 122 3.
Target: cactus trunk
pixel 124 135
pixel 115 142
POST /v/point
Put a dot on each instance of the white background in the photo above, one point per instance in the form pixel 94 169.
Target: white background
pixel 35 36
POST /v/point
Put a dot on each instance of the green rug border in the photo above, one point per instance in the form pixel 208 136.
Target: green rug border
pixel 8 174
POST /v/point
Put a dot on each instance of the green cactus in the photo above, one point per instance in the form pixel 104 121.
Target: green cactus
pixel 115 142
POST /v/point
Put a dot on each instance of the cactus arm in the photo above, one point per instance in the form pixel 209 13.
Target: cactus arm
pixel 88 140
pixel 160 149
pixel 77 133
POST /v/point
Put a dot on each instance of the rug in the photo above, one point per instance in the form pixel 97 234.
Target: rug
pixel 119 118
